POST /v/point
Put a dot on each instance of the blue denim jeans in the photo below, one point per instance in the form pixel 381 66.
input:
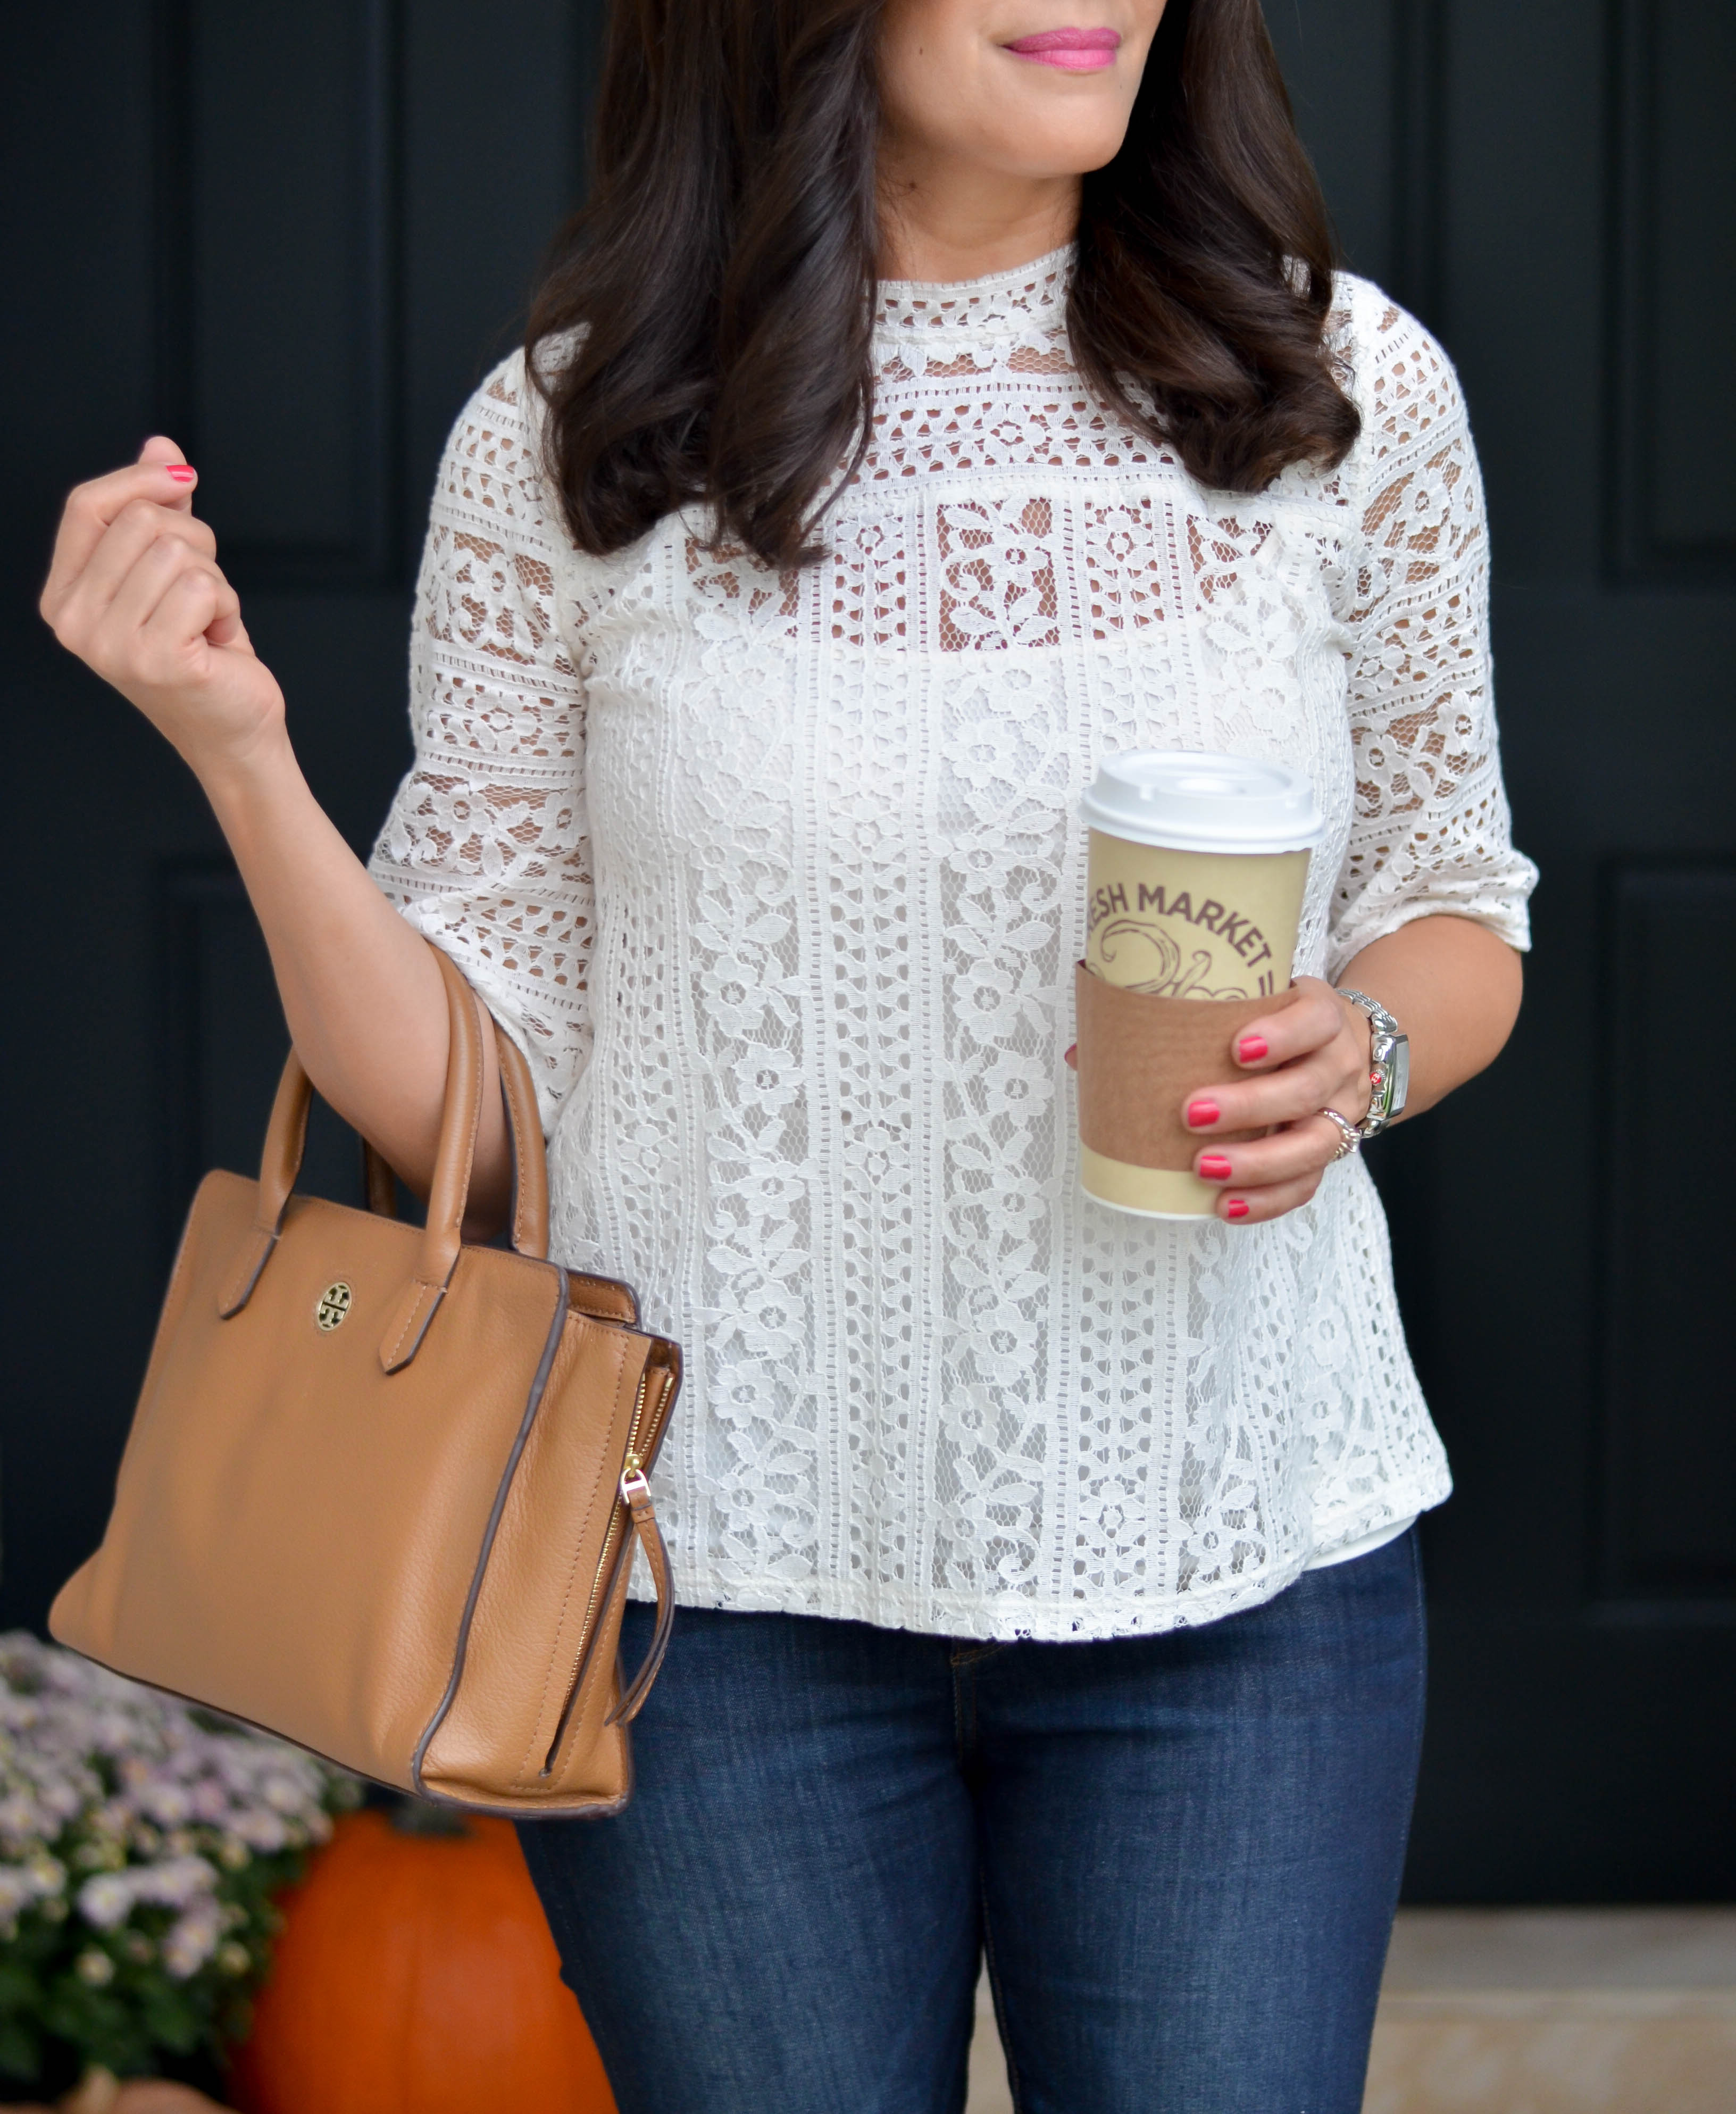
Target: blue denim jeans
pixel 1179 1854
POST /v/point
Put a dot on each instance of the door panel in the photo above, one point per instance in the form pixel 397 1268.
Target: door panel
pixel 1560 182
pixel 293 235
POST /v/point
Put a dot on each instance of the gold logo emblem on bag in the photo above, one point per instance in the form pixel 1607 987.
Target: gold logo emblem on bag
pixel 334 1304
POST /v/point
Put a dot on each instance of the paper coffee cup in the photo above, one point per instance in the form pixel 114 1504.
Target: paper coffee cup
pixel 1196 867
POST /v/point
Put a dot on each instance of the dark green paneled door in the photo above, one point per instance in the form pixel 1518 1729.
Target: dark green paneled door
pixel 292 233
pixel 1551 184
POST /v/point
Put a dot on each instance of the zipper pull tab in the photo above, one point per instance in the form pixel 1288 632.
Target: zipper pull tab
pixel 633 1483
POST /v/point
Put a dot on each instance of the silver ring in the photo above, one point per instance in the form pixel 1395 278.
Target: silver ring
pixel 1350 1138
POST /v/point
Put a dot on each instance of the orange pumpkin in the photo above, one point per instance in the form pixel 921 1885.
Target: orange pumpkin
pixel 415 1974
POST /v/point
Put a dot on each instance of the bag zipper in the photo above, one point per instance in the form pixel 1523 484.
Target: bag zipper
pixel 632 1468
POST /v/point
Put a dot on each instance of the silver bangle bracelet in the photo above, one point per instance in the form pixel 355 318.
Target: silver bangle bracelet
pixel 1389 1063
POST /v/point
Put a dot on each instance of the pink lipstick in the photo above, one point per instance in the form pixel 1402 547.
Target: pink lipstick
pixel 1074 51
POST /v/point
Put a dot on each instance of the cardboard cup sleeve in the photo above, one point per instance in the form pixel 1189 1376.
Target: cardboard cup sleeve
pixel 1139 1055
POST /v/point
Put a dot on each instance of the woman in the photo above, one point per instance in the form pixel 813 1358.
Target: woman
pixel 936 395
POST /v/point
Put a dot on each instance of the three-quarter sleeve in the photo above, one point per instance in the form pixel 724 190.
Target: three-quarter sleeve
pixel 1430 830
pixel 485 848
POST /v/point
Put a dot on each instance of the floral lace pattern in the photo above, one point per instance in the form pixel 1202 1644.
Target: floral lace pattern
pixel 780 878
pixel 486 847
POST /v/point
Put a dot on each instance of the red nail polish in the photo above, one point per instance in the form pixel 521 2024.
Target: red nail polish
pixel 1251 1048
pixel 182 473
pixel 1235 1209
pixel 1213 1167
pixel 1200 1114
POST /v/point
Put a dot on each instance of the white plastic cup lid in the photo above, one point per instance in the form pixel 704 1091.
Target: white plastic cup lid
pixel 1190 800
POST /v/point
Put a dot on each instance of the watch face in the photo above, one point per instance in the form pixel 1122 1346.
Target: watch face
pixel 1398 1063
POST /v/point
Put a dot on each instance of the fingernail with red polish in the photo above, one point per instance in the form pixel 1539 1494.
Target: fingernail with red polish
pixel 1251 1048
pixel 1235 1209
pixel 1200 1114
pixel 182 473
pixel 1213 1167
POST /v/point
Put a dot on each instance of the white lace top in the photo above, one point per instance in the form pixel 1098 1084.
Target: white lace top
pixel 779 880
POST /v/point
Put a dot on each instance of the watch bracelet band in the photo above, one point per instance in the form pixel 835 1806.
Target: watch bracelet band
pixel 1384 1034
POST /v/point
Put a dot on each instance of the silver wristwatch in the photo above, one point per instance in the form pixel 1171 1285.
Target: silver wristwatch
pixel 1389 1067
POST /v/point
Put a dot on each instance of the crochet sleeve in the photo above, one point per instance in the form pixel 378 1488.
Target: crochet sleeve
pixel 485 850
pixel 1430 830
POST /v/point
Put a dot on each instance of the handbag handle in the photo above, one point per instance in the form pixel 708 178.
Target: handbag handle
pixel 285 1140
pixel 530 1204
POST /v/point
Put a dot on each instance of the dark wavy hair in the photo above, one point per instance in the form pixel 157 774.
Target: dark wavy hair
pixel 724 269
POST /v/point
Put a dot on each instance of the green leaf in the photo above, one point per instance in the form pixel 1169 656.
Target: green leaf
pixel 21 2050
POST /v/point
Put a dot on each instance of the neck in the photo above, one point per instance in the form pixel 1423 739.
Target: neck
pixel 941 219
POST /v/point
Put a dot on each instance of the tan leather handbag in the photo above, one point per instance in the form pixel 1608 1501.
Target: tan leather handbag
pixel 383 1487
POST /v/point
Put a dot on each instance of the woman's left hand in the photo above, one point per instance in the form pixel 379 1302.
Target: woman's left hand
pixel 1313 1055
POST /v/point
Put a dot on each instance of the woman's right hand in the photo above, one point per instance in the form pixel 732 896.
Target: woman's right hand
pixel 135 591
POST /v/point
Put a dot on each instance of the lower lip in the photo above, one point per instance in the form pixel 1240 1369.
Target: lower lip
pixel 1070 58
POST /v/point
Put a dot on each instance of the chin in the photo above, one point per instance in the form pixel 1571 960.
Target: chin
pixel 1056 150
